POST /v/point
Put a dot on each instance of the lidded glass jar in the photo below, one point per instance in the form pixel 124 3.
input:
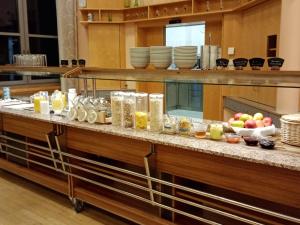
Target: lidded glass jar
pixel 116 98
pixel 128 109
pixel 156 112
pixel 141 111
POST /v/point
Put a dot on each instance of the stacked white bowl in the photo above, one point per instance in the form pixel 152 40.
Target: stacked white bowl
pixel 185 57
pixel 161 56
pixel 140 57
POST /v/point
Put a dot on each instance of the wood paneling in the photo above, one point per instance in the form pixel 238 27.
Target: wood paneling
pixel 106 50
pixel 266 182
pixel 118 148
pixel 212 102
pixel 30 128
pixel 105 4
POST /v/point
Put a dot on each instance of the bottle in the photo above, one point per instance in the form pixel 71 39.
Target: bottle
pixel 156 112
pixel 141 111
pixel 44 103
pixel 6 93
pixel 128 110
pixel 116 98
pixel 71 96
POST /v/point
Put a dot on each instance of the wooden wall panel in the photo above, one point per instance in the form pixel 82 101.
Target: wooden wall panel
pixel 105 3
pixel 215 30
pixel 212 102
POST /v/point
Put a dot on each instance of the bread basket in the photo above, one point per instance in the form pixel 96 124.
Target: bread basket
pixel 290 129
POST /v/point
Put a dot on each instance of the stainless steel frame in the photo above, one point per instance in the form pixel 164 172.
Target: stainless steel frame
pixel 63 159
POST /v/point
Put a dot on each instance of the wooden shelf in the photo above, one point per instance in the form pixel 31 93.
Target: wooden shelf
pixel 194 8
pixel 101 22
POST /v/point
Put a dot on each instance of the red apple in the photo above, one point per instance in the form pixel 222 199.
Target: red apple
pixel 259 123
pixel 231 120
pixel 267 121
pixel 250 124
pixel 237 116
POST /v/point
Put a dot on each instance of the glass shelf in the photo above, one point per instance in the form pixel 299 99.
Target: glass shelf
pixel 289 79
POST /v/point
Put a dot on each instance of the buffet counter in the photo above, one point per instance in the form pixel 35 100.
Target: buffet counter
pixel 284 156
pixel 173 179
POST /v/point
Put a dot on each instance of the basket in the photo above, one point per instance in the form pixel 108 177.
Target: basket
pixel 290 129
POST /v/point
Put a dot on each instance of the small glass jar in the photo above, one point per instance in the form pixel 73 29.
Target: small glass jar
pixel 170 125
pixel 116 98
pixel 216 131
pixel 156 112
pixel 128 110
pixel 141 111
pixel 199 130
pixel 184 126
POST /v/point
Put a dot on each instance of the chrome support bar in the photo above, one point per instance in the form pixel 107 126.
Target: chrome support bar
pixel 51 151
pixel 59 153
pixel 94 83
pixel 201 193
pixel 23 142
pixel 85 87
pixel 143 199
pixel 30 160
pixel 146 177
pixel 146 163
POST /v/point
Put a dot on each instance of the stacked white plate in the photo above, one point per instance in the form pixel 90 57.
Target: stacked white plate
pixel 161 56
pixel 185 57
pixel 140 57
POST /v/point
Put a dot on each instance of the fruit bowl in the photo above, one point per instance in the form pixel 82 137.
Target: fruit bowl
pixel 258 132
pixel 247 125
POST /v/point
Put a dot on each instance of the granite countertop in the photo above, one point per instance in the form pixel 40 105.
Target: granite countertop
pixel 284 156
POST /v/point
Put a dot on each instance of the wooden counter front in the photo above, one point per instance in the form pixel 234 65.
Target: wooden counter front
pixel 110 172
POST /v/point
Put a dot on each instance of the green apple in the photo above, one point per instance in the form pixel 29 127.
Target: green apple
pixel 238 123
pixel 258 116
pixel 245 117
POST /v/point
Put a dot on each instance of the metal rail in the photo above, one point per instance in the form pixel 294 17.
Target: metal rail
pixel 66 169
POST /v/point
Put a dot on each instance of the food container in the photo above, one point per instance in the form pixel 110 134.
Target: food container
pixel 156 112
pixel 290 129
pixel 233 138
pixel 44 104
pixel 169 125
pixel 216 131
pixel 141 111
pixel 184 126
pixel 199 130
pixel 116 98
pixel 267 144
pixel 251 140
pixel 6 93
pixel 128 109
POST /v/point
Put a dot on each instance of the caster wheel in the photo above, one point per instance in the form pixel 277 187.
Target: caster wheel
pixel 78 205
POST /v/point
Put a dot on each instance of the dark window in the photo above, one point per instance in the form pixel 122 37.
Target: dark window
pixel 9 18
pixel 9 45
pixel 10 76
pixel 48 46
pixel 42 17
